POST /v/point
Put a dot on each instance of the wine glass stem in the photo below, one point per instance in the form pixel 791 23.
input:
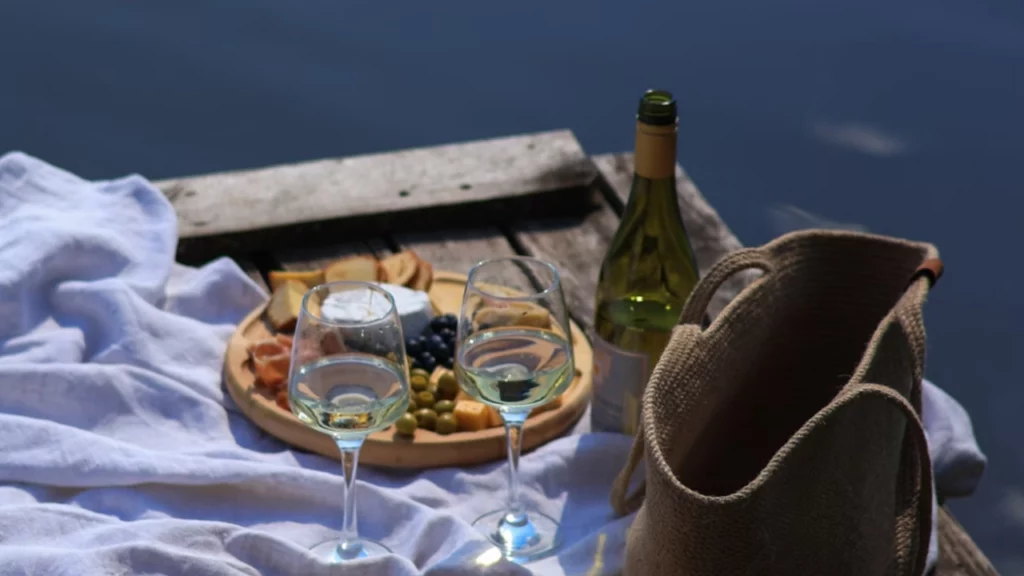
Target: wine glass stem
pixel 349 463
pixel 514 441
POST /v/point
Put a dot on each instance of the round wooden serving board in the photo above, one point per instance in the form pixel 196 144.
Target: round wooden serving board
pixel 388 449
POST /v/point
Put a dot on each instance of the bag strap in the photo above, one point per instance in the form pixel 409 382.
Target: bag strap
pixel 915 482
pixel 745 258
pixel 694 312
pixel 622 502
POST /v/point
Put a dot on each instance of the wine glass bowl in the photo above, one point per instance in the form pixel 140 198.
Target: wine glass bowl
pixel 514 353
pixel 348 379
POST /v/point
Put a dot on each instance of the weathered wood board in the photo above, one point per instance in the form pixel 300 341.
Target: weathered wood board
pixel 576 245
pixel 958 554
pixel 440 187
pixel 460 250
pixel 320 256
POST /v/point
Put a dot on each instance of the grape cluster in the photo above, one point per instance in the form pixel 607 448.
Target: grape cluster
pixel 436 345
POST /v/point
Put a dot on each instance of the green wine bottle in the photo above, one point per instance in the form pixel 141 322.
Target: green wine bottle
pixel 646 276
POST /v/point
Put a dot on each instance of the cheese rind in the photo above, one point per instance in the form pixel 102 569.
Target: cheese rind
pixel 413 307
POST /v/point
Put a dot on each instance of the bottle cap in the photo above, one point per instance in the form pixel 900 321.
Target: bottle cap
pixel 657 108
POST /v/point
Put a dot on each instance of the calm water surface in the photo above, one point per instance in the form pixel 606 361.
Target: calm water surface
pixel 903 117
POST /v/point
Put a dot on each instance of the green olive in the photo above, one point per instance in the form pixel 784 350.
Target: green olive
pixel 412 405
pixel 446 423
pixel 425 399
pixel 443 406
pixel 419 372
pixel 426 418
pixel 418 383
pixel 406 424
pixel 448 386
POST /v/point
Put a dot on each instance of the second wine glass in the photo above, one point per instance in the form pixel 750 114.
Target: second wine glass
pixel 515 354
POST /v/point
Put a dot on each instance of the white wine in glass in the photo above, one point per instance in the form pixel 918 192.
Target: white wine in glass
pixel 348 379
pixel 515 353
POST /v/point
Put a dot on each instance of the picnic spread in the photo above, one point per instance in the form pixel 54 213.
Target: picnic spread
pixel 258 362
pixel 127 452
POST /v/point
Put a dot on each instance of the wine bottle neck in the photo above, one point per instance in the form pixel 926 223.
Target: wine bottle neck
pixel 654 178
pixel 655 151
pixel 652 197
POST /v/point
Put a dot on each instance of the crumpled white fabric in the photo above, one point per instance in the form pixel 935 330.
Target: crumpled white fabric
pixel 122 454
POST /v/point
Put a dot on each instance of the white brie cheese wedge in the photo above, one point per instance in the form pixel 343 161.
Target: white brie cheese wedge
pixel 413 306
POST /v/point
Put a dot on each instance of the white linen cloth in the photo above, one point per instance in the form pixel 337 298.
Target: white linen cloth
pixel 122 453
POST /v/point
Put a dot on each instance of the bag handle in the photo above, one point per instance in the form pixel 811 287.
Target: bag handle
pixel 693 312
pixel 745 258
pixel 917 488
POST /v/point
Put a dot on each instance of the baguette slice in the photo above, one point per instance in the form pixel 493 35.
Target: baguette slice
pixel 400 268
pixel 362 268
pixel 285 305
pixel 423 278
pixel 512 315
pixel 308 277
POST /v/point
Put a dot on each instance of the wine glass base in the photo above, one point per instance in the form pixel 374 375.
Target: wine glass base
pixel 520 539
pixel 334 552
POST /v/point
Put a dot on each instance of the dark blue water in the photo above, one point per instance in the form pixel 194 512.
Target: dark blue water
pixel 904 117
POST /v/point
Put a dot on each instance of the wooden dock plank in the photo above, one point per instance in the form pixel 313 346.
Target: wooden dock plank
pixel 576 245
pixel 958 554
pixel 442 187
pixel 320 256
pixel 458 251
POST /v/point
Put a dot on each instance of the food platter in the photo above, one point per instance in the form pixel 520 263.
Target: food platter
pixel 426 449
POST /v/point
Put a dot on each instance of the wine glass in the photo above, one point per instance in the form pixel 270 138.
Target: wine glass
pixel 515 353
pixel 348 379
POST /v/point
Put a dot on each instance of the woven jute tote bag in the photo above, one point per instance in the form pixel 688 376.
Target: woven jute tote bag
pixel 785 438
